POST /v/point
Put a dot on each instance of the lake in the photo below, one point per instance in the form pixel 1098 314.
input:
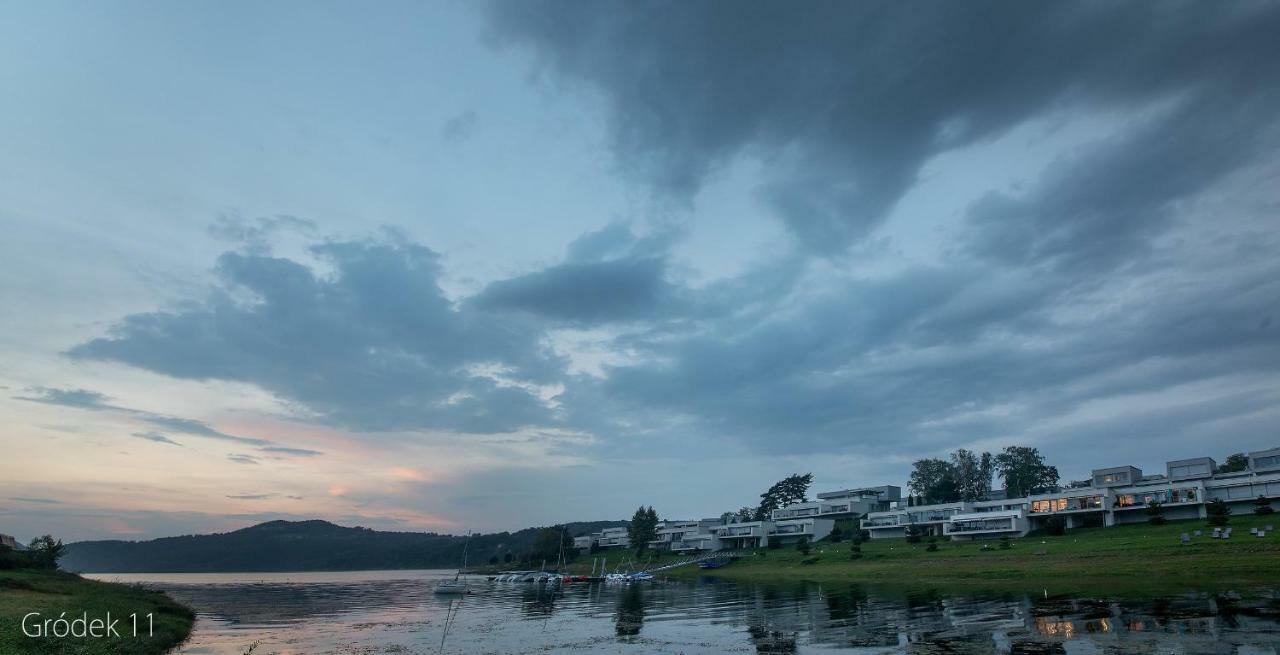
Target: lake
pixel 367 613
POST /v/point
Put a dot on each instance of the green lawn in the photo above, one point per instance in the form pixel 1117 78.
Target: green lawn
pixel 1123 560
pixel 50 593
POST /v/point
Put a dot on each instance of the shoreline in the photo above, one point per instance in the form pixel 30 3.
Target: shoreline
pixel 1131 560
pixel 162 623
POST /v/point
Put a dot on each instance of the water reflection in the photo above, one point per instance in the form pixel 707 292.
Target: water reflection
pixel 345 613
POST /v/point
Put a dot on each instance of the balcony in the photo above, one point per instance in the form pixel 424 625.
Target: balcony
pixel 887 522
pixel 1077 504
pixel 972 527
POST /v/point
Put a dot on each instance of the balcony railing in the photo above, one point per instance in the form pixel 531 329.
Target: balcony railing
pixel 880 523
pixel 989 526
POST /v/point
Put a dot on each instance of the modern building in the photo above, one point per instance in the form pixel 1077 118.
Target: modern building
pixel 842 504
pixel 751 534
pixel 684 536
pixel 1115 495
pixel 606 538
pixel 1111 496
pixel 792 530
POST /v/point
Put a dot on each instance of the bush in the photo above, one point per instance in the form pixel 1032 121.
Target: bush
pixel 857 554
pixel 809 560
pixel 1055 526
pixel 1004 543
pixel 836 535
pixel 914 533
pixel 932 547
pixel 1219 513
pixel 1155 513
pixel 774 543
pixel 803 545
pixel 1262 506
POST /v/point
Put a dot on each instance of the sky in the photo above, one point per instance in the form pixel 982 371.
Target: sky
pixel 450 266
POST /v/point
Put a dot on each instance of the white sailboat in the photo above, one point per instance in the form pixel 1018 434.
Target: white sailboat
pixel 457 585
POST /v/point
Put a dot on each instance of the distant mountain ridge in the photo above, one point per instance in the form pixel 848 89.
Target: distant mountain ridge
pixel 313 545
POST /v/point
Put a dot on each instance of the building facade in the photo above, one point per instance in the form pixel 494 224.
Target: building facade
pixel 1114 496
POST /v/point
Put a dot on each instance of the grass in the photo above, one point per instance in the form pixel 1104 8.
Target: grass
pixel 52 592
pixel 1127 560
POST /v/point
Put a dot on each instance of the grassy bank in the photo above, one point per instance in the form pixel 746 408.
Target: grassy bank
pixel 1124 560
pixel 51 592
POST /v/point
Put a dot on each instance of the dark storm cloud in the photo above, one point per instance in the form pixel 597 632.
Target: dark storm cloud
pixel 94 401
pixel 586 292
pixel 846 101
pixel 608 275
pixel 1077 289
pixel 1106 205
pixel 374 346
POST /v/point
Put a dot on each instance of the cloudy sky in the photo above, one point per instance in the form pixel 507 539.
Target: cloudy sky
pixel 450 266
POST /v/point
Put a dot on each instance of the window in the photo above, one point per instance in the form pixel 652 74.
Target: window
pixel 1269 461
pixel 1244 491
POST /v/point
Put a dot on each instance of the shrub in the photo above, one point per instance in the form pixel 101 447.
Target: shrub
pixel 1219 513
pixel 1155 513
pixel 864 535
pixel 774 543
pixel 1262 506
pixel 836 535
pixel 855 552
pixel 809 560
pixel 1055 526
pixel 932 547
pixel 803 545
pixel 914 533
pixel 1004 543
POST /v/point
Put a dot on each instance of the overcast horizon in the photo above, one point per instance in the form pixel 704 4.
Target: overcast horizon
pixel 484 266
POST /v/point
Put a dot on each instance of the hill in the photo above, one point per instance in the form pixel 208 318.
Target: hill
pixel 301 546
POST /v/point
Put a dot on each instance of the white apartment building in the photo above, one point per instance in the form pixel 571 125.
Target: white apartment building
pixel 1115 495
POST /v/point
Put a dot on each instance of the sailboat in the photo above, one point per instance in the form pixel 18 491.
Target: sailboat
pixel 457 585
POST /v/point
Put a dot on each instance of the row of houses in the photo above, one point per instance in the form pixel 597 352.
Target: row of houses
pixel 1112 496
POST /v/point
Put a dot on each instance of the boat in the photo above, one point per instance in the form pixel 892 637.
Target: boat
pixel 457 585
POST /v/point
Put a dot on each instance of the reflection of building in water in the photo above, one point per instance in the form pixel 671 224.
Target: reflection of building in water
pixel 772 641
pixel 630 615
pixel 538 599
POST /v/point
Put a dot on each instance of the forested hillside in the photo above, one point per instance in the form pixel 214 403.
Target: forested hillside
pixel 302 546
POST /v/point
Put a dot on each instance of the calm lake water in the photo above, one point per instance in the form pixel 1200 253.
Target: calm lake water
pixel 359 613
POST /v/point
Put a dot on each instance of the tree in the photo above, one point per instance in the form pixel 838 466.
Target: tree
pixel 547 544
pixel 803 545
pixel 493 560
pixel 1235 462
pixel 972 474
pixel 934 480
pixel 745 515
pixel 1262 506
pixel 914 533
pixel 1055 526
pixel 787 491
pixel 45 551
pixel 728 517
pixel 836 534
pixel 774 543
pixel 507 557
pixel 1155 513
pixel 1024 472
pixel 643 528
pixel 1218 511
